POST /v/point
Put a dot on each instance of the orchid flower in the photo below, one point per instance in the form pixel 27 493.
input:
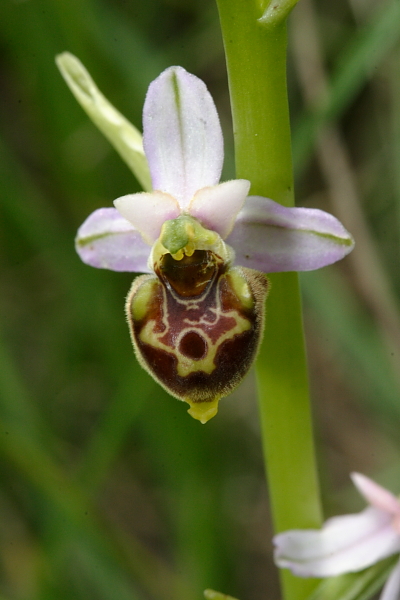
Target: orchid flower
pixel 196 320
pixel 349 543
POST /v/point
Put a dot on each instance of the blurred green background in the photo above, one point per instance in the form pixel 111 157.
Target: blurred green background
pixel 108 489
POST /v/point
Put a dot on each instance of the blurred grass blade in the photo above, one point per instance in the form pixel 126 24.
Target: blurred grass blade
pixel 125 138
pixel 15 408
pixel 353 68
pixel 355 586
pixel 108 547
pixel 213 595
pixel 111 433
pixel 358 345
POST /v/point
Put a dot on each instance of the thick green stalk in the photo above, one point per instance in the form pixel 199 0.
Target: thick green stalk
pixel 256 61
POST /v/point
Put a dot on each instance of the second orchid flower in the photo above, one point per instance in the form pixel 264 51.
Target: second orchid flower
pixel 348 543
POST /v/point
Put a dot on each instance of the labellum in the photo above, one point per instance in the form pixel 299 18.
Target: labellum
pixel 197 323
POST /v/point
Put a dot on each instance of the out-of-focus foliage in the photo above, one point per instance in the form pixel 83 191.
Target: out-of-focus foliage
pixel 108 490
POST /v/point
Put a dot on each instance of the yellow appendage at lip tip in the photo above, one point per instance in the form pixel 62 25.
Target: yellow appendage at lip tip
pixel 203 411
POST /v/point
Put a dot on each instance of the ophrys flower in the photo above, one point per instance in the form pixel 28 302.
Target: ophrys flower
pixel 196 320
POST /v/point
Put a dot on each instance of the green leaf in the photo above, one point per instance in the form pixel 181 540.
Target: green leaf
pixel 125 138
pixel 277 11
pixel 355 586
pixel 213 595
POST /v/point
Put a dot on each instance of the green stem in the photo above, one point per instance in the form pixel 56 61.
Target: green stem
pixel 256 61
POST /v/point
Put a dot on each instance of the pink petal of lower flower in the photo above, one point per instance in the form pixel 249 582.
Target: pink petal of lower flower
pixel 344 545
pixel 147 212
pixel 108 241
pixel 391 590
pixel 270 237
pixel 217 207
pixel 376 494
pixel 182 136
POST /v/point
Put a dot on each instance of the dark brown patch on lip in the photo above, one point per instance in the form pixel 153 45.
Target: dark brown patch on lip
pixel 216 313
pixel 233 360
pixel 193 345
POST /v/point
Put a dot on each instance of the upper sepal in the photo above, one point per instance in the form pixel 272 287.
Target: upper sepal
pixel 182 135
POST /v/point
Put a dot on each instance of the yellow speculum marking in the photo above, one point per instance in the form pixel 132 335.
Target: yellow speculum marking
pixel 186 365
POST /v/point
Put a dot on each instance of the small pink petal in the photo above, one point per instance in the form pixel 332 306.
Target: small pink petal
pixel 270 237
pixel 182 136
pixel 147 212
pixel 391 590
pixel 376 494
pixel 217 207
pixel 108 241
pixel 345 544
